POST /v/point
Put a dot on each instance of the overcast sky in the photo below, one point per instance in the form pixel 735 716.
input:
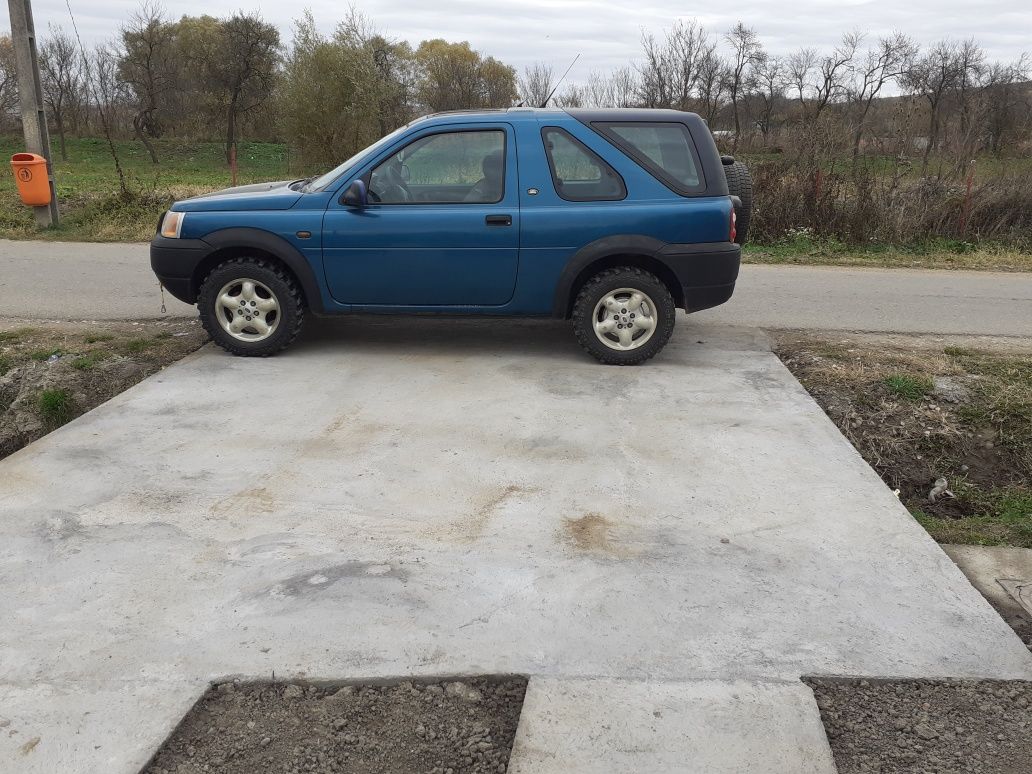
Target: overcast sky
pixel 606 34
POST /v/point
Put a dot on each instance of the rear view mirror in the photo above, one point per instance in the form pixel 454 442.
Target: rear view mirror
pixel 356 195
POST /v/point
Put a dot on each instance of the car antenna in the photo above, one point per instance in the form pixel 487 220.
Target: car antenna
pixel 559 82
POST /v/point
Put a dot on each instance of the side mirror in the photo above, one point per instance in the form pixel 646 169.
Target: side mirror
pixel 356 195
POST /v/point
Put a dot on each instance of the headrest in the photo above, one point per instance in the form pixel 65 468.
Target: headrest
pixel 492 165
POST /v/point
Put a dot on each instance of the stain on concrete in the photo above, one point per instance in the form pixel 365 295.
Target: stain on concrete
pixel 60 525
pixel 593 533
pixel 315 581
pixel 29 746
pixel 472 525
pixel 245 503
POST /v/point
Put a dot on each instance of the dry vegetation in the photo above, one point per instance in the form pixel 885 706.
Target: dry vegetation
pixel 920 412
pixel 51 372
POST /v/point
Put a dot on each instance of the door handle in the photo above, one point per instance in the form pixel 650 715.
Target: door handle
pixel 498 220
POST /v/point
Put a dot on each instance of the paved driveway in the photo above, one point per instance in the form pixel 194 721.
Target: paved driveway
pixel 442 497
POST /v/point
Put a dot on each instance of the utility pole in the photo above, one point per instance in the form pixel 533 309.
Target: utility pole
pixel 30 97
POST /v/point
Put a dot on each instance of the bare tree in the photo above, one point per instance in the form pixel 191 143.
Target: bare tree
pixel 536 83
pixel 869 75
pixel 932 76
pixel 148 66
pixel 618 89
pixel 970 108
pixel 105 90
pixel 669 75
pixel 622 87
pixel 598 90
pixel 61 77
pixel 1008 99
pixel 747 52
pixel 712 84
pixel 770 78
pixel 572 96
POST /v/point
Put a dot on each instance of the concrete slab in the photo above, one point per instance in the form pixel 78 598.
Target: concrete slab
pixel 703 727
pixel 1002 573
pixel 444 497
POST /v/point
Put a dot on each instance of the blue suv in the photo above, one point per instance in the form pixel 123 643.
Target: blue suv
pixel 611 218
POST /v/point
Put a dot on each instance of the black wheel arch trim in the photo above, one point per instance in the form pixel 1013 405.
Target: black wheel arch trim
pixel 670 258
pixel 243 237
pixel 600 249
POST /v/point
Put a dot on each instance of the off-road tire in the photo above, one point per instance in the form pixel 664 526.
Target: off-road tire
pixel 606 282
pixel 739 183
pixel 279 281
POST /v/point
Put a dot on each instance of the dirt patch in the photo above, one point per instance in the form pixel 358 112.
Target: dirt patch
pixel 942 726
pixel 949 427
pixel 51 372
pixel 411 727
pixel 589 533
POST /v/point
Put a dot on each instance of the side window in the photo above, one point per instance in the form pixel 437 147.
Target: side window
pixel 664 149
pixel 443 168
pixel 578 173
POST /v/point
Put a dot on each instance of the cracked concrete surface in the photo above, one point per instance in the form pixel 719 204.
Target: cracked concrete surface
pixel 430 497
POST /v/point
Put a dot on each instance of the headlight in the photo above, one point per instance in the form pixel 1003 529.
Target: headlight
pixel 172 224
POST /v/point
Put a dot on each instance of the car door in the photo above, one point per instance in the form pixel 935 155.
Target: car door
pixel 441 227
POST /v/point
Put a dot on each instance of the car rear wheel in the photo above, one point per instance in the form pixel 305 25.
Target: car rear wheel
pixel 623 316
pixel 250 307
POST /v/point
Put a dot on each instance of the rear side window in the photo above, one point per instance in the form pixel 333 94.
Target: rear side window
pixel 664 149
pixel 578 173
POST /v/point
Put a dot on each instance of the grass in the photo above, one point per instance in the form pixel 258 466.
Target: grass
pixel 88 361
pixel 56 407
pixel 883 398
pixel 14 336
pixel 94 209
pixel 909 387
pixel 1004 517
pixel 43 354
pixel 136 346
pixel 804 249
pixel 98 360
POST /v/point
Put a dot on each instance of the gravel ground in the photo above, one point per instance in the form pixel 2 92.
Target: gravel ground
pixel 925 726
pixel 405 728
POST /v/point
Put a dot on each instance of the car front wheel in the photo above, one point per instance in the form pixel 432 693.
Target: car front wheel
pixel 250 307
pixel 623 316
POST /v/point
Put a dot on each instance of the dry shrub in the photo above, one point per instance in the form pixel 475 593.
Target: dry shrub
pixel 859 206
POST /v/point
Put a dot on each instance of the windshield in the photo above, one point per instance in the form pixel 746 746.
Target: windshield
pixel 321 182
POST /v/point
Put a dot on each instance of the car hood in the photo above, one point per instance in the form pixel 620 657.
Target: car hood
pixel 260 196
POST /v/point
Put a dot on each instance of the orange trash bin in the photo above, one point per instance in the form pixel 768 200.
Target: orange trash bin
pixel 30 172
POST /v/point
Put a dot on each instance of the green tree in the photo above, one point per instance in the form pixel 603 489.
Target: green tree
pixel 231 67
pixel 452 76
pixel 339 94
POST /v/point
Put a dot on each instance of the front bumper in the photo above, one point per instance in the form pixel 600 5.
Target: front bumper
pixel 174 262
pixel 707 271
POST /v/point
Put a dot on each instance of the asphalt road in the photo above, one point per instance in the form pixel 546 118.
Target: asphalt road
pixel 55 280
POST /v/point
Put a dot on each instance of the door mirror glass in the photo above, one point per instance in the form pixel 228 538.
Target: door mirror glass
pixel 356 195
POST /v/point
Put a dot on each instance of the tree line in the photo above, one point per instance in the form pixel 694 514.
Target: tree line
pixel 329 95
